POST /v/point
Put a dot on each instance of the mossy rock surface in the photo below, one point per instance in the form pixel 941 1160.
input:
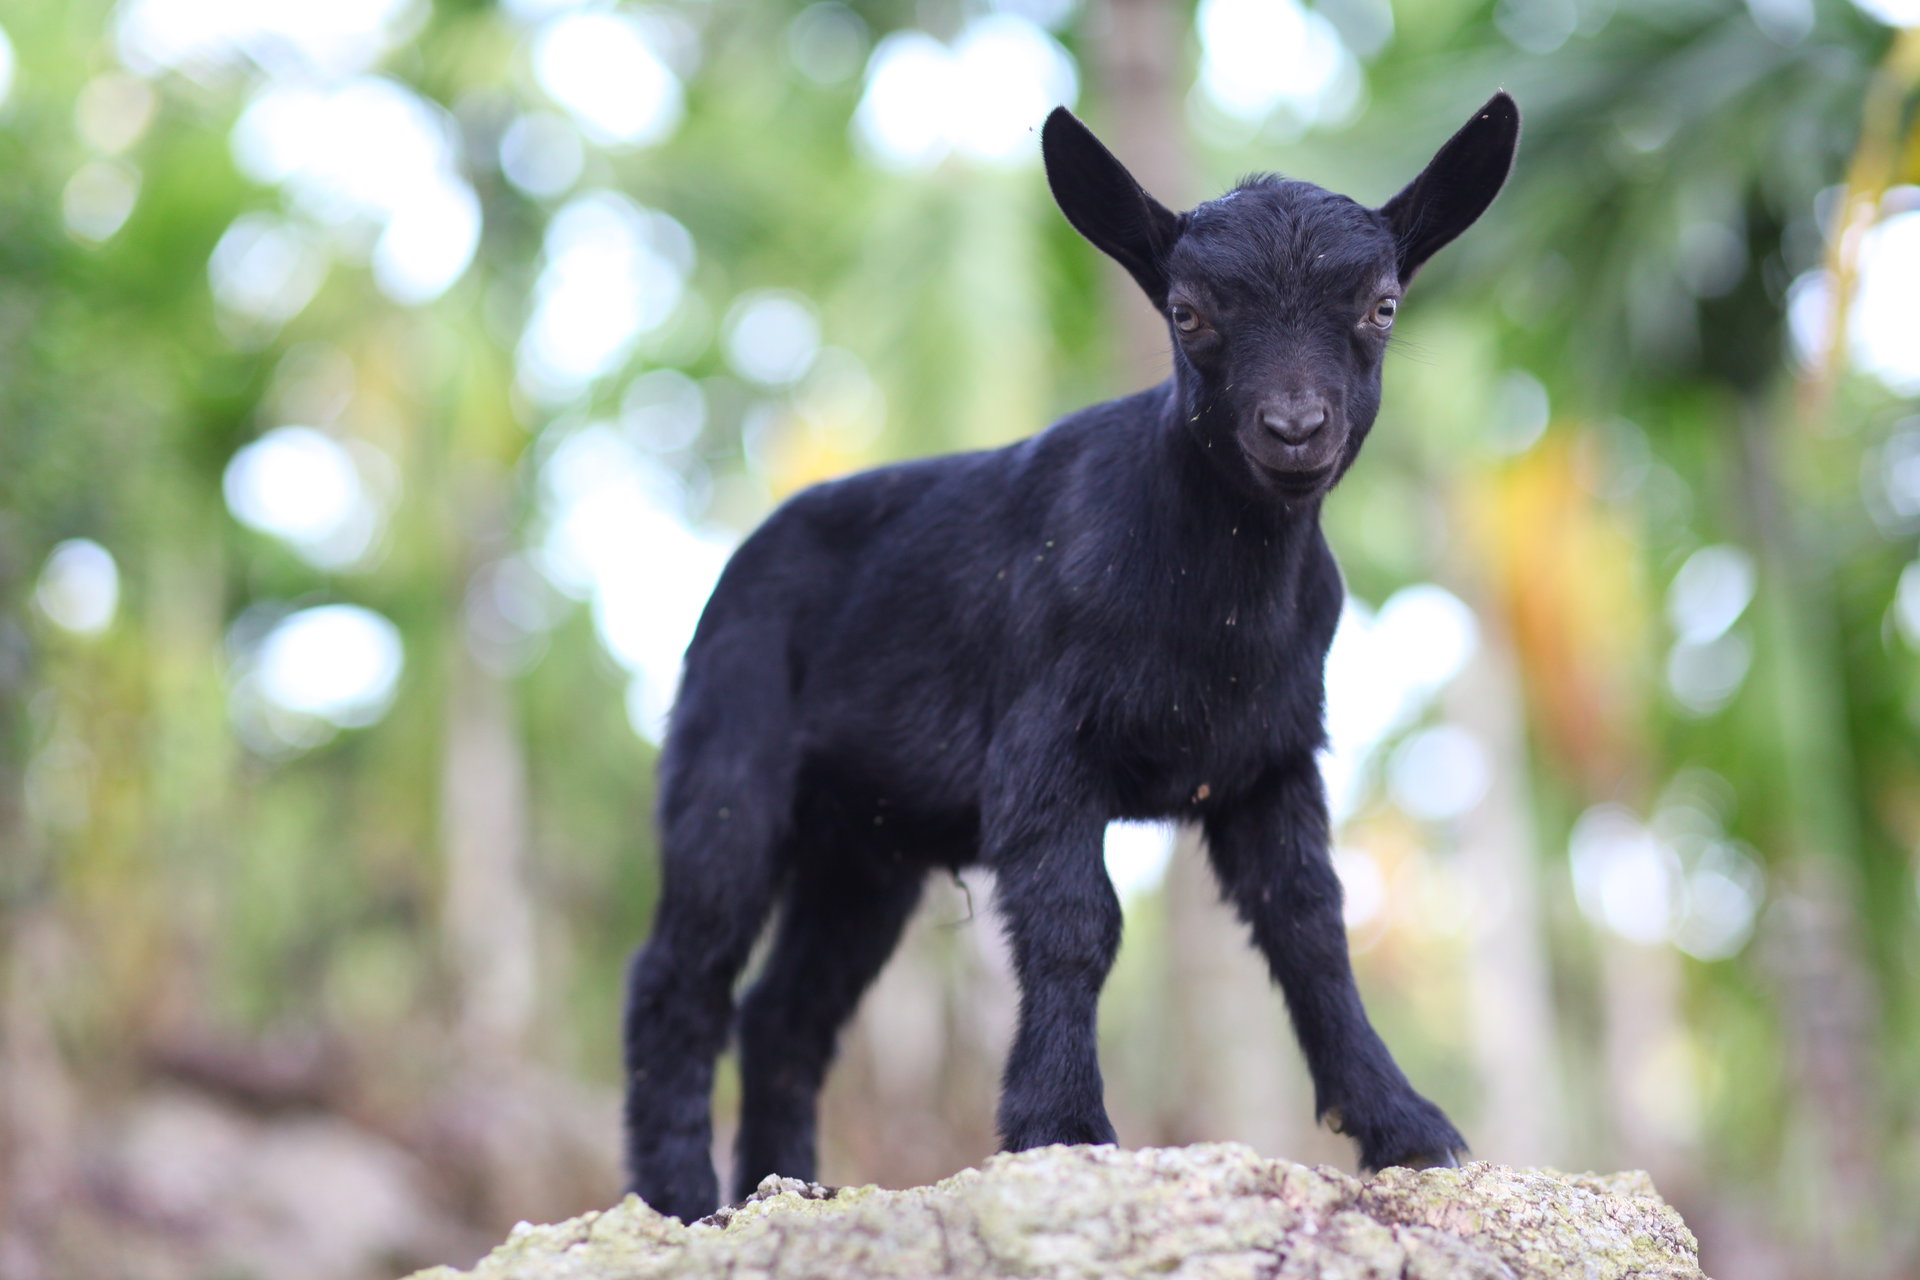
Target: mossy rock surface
pixel 1185 1213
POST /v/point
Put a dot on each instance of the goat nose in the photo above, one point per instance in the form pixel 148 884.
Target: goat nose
pixel 1295 423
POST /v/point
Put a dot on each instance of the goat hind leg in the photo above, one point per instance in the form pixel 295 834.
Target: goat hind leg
pixel 843 917
pixel 719 885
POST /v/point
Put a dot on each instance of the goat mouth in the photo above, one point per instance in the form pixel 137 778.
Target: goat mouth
pixel 1293 470
pixel 1297 482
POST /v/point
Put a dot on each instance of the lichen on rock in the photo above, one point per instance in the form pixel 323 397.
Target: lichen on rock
pixel 1186 1213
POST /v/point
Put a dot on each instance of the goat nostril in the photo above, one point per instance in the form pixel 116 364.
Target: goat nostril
pixel 1297 428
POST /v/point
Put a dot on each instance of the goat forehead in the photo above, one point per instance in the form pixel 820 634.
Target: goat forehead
pixel 1277 232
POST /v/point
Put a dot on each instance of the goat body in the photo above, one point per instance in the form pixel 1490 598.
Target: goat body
pixel 984 659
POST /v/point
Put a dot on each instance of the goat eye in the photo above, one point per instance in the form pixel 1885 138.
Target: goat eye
pixel 1383 313
pixel 1184 318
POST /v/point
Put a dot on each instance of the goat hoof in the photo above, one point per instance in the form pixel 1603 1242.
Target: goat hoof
pixel 1442 1159
pixel 1431 1160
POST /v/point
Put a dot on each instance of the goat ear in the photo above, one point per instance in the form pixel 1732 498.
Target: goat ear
pixel 1456 186
pixel 1105 204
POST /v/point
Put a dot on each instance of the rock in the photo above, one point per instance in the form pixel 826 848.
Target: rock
pixel 1187 1213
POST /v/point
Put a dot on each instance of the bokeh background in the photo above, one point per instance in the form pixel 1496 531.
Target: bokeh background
pixel 384 382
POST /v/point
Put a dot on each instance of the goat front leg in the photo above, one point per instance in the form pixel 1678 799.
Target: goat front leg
pixel 1042 835
pixel 1269 851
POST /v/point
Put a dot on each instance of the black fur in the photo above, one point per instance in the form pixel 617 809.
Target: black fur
pixel 984 659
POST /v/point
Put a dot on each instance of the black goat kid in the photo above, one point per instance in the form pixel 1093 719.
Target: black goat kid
pixel 984 659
